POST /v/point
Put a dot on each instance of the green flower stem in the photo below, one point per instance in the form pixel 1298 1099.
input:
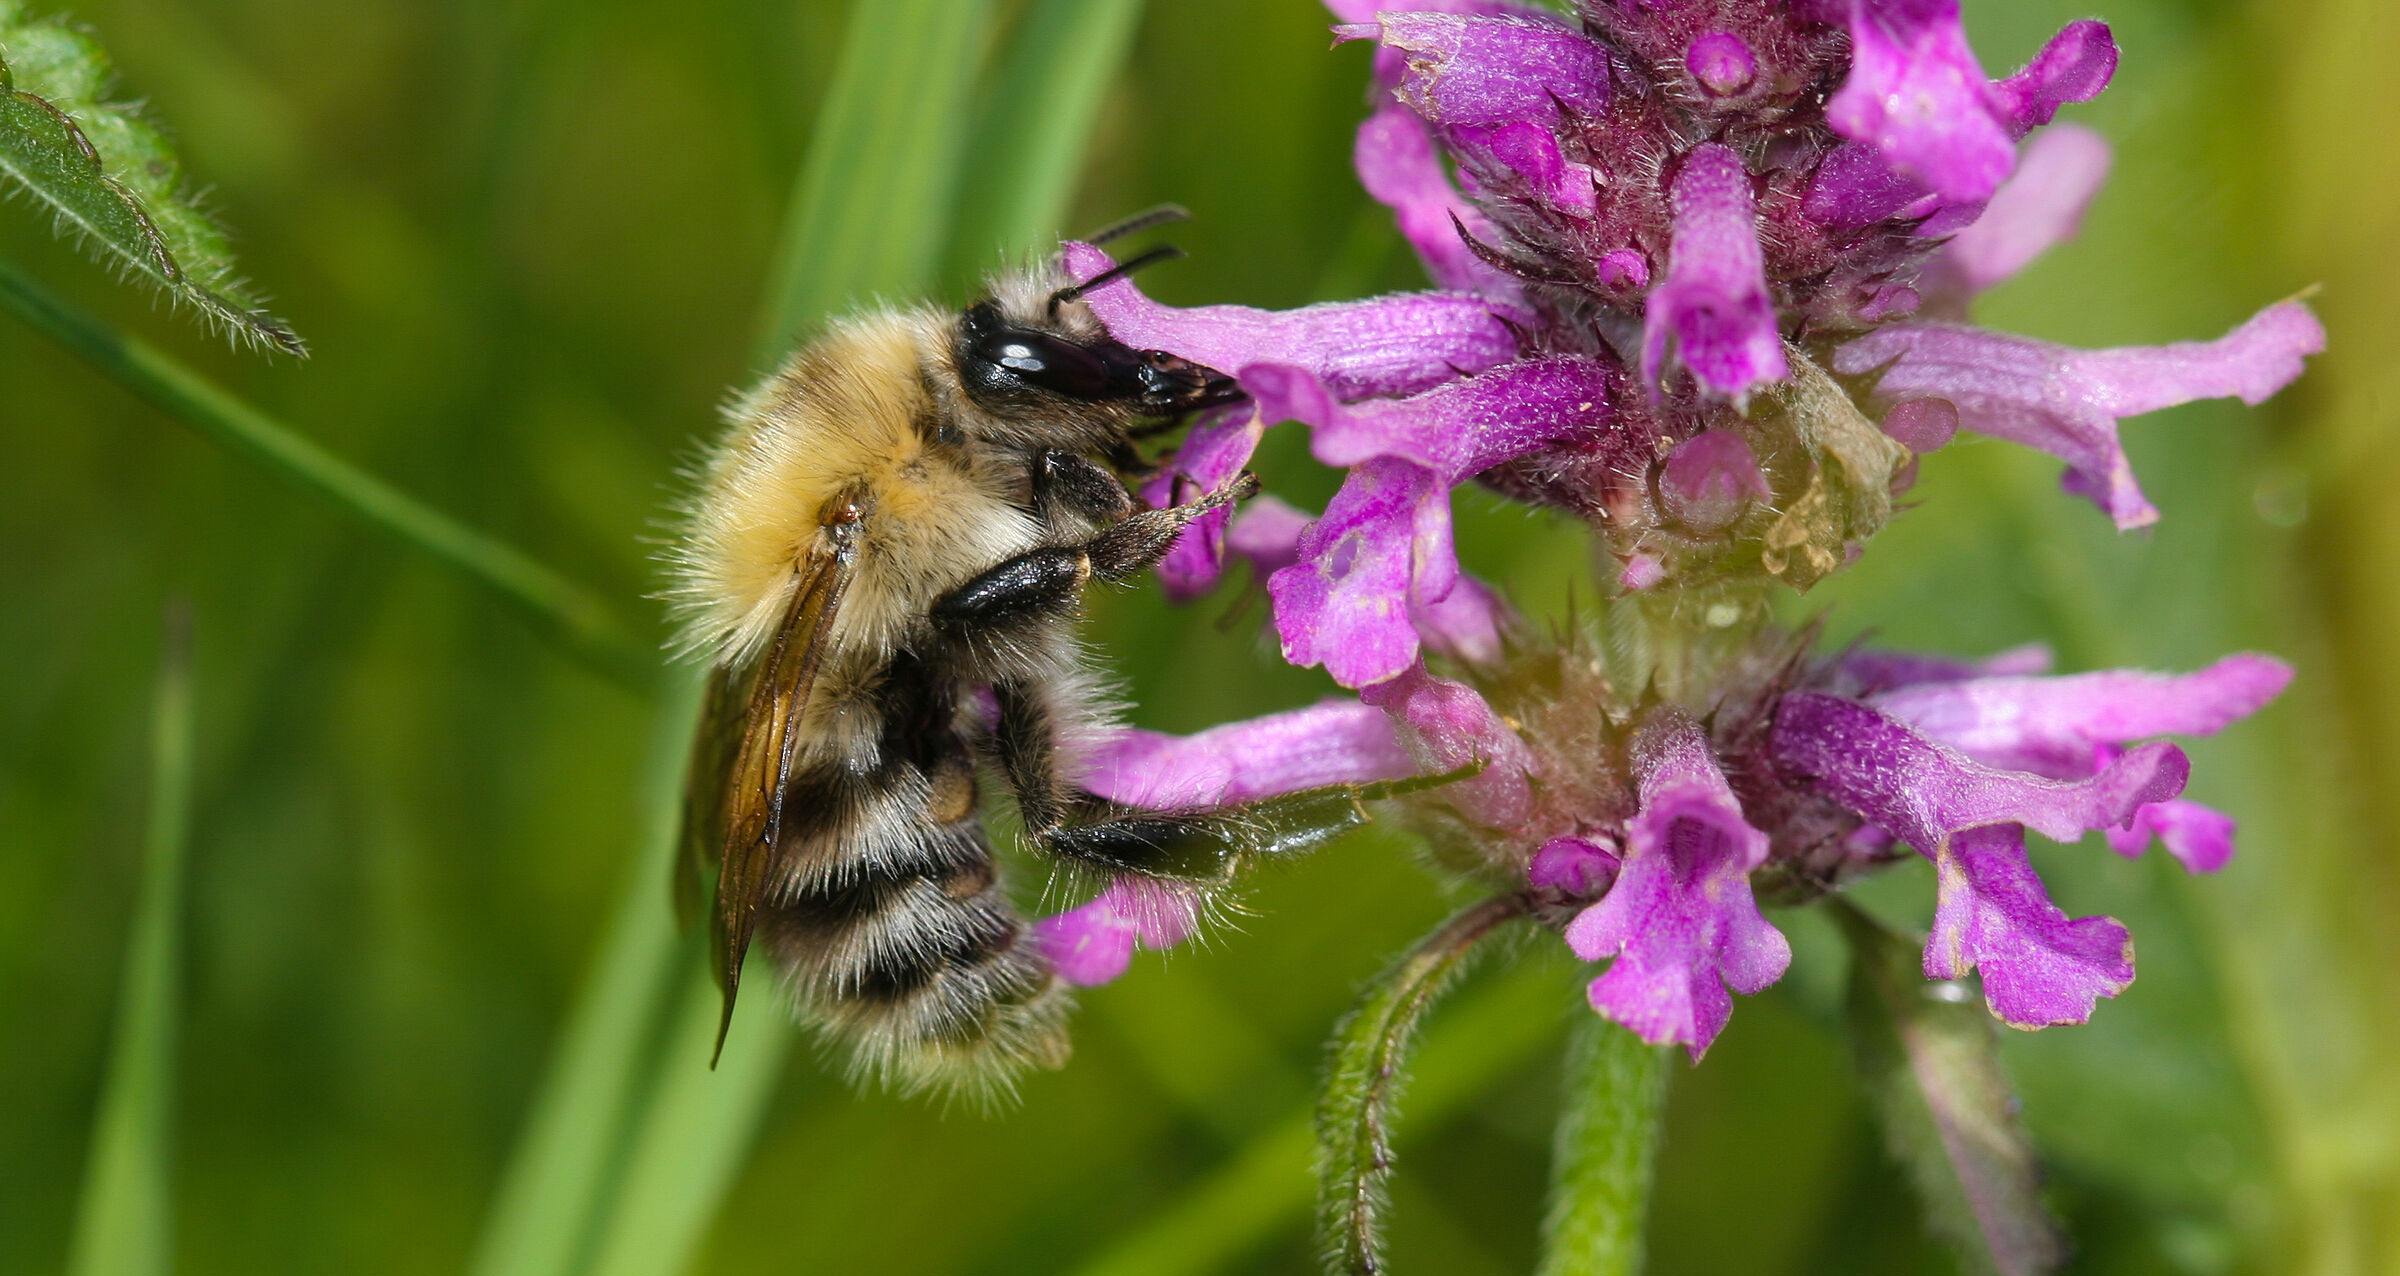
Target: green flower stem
pixel 558 605
pixel 1483 1034
pixel 124 1219
pixel 1363 1081
pixel 1607 1153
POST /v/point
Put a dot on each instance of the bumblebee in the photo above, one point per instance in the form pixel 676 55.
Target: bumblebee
pixel 883 563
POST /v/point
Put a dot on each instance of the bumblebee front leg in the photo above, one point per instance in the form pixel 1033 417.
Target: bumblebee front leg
pixel 1046 582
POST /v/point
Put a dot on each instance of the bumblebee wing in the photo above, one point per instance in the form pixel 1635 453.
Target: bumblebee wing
pixel 749 815
pixel 724 705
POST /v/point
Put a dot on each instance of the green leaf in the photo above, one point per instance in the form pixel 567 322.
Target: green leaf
pixel 586 625
pixel 111 180
pixel 1033 126
pixel 124 1222
pixel 1930 1058
pixel 1364 1078
pixel 1607 1153
pixel 873 204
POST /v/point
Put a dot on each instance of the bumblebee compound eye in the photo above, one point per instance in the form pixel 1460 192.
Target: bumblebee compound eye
pixel 998 359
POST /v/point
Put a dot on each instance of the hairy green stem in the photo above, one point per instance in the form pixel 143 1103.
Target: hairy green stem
pixel 559 606
pixel 1363 1081
pixel 1607 1153
pixel 124 1219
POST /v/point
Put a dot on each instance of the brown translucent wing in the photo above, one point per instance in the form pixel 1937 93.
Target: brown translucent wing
pixel 755 763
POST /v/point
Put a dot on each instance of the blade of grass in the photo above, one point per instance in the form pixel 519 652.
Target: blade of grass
pixel 1034 125
pixel 873 203
pixel 544 1215
pixel 557 605
pixel 124 1223
pixel 1486 1031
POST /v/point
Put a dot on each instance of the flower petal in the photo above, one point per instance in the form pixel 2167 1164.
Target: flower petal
pixel 1867 670
pixel 1217 448
pixel 1916 93
pixel 2039 968
pixel 2199 837
pixel 2050 725
pixel 2068 402
pixel 1094 944
pixel 2040 205
pixel 1332 742
pixel 2074 66
pixel 1575 867
pixel 1267 533
pixel 1681 921
pixel 1713 303
pixel 1389 345
pixel 1398 166
pixel 1925 792
pixel 1465 624
pixel 1447 725
pixel 1455 430
pixel 1486 70
pixel 1383 543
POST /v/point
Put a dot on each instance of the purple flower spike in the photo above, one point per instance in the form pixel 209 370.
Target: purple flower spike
pixel 1681 920
pixel 2039 968
pixel 1333 742
pixel 1215 451
pixel 1397 165
pixel 1710 478
pixel 1713 304
pixel 1267 533
pixel 1476 70
pixel 1094 944
pixel 2050 726
pixel 1447 725
pixel 2042 203
pixel 1390 345
pixel 1925 792
pixel 2068 402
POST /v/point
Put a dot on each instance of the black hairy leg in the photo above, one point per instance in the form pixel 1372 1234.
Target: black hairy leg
pixel 1047 582
pixel 1068 484
pixel 1204 846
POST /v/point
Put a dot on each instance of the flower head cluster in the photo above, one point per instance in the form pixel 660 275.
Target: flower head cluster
pixel 1704 270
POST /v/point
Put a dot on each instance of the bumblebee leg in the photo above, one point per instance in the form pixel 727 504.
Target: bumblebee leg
pixel 1048 581
pixel 1064 482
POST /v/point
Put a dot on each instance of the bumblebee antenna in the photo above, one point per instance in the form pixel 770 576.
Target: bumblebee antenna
pixel 1164 252
pixel 1139 222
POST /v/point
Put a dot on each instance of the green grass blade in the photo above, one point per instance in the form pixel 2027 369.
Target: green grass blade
pixel 1482 1035
pixel 1365 1075
pixel 110 179
pixel 874 200
pixel 695 1131
pixel 125 1220
pixel 558 605
pixel 545 1213
pixel 1033 127
pixel 1607 1153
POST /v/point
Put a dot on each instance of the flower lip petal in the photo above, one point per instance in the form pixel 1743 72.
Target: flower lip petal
pixel 1331 742
pixel 1680 921
pixel 1916 93
pixel 2039 967
pixel 2039 206
pixel 1489 70
pixel 2067 402
pixel 2051 725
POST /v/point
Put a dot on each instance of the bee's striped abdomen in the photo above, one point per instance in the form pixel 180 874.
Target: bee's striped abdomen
pixel 888 911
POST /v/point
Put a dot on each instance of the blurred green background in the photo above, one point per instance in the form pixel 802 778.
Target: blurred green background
pixel 530 241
